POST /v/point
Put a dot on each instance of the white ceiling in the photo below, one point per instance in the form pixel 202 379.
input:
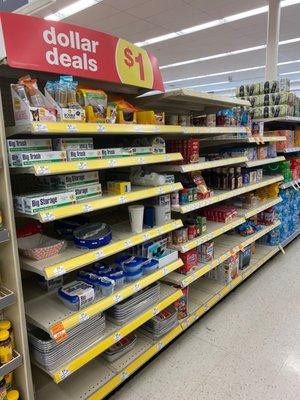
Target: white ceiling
pixel 138 20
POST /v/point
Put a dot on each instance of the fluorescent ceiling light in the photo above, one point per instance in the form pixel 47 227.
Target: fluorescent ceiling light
pixel 206 84
pixel 227 54
pixel 290 73
pixel 34 6
pixel 216 22
pixel 73 8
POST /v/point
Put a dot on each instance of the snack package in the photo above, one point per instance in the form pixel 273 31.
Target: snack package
pixel 126 113
pixel 94 101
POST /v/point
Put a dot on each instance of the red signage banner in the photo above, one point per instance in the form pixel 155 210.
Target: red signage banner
pixel 40 45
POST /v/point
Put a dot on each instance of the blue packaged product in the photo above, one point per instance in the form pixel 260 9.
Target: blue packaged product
pixel 91 279
pixel 107 286
pixel 150 265
pixel 118 277
pixel 66 226
pixel 132 276
pixel 76 295
pixel 92 236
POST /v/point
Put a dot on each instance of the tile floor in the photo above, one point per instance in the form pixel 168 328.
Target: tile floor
pixel 246 348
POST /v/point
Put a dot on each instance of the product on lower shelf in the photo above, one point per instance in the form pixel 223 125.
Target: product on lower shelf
pixel 122 347
pixel 220 213
pixel 181 304
pixel 123 312
pixel 76 295
pixel 39 247
pixel 51 355
pixel 161 324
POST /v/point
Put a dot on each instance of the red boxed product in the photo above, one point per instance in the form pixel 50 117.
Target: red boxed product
pixel 266 217
pixel 182 303
pixel 289 142
pixel 190 260
pixel 220 213
pixel 189 149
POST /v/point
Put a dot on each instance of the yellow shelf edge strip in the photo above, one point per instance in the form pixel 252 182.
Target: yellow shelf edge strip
pixel 109 301
pixel 225 290
pixel 136 364
pixel 102 202
pixel 212 164
pixel 217 261
pixel 98 254
pixel 90 165
pixel 206 237
pixel 123 331
pixel 263 207
pixel 224 196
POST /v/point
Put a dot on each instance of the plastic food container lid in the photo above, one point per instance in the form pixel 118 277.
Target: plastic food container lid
pixel 116 275
pixel 4 335
pixel 134 273
pixel 150 263
pixel 107 282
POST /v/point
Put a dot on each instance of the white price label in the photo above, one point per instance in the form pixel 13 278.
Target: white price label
pixel 142 160
pixel 42 170
pixel 117 298
pixel 146 236
pixel 117 336
pixel 157 129
pixel 64 373
pixel 165 271
pixel 167 158
pixel 178 224
pixel 87 208
pixel 72 128
pixel 83 317
pixel 122 199
pixel 99 254
pixel 124 376
pixel 159 231
pixel 206 308
pixel 159 346
pixel 127 243
pixel 82 165
pixel 155 311
pixel 137 287
pixel 59 270
pixel 46 217
pixel 138 128
pixel 41 128
pixel 112 163
pixel 184 249
pixel 101 128
pixel 161 190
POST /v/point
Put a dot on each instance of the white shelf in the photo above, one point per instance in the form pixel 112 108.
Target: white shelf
pixel 256 163
pixel 73 258
pixel 278 119
pixel 201 165
pixel 112 334
pixel 289 184
pixel 220 195
pixel 224 247
pixel 46 310
pixel 290 150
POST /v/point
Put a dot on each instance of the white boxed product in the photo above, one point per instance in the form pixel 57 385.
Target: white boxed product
pixel 23 145
pixel 73 144
pixel 74 180
pixel 34 203
pixel 87 192
pixel 31 158
pixel 77 155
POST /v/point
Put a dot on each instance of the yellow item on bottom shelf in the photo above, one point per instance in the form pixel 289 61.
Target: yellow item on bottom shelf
pixel 6 351
pixel 5 325
pixel 13 395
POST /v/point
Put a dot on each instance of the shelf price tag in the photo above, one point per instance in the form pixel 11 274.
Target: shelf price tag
pixel 112 163
pixel 101 128
pixel 128 243
pixel 146 236
pixel 124 375
pixel 87 208
pixel 155 311
pixel 122 199
pixel 99 254
pixel 72 128
pixel 58 332
pixel 42 170
pixel 137 287
pixel 142 160
pixel 41 128
pixel 64 373
pixel 47 216
pixel 59 270
pixel 117 298
pixel 117 336
pixel 82 165
pixel 159 346
pixel 83 317
pixel 165 271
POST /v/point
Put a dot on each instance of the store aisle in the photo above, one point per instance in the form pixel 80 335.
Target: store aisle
pixel 247 347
